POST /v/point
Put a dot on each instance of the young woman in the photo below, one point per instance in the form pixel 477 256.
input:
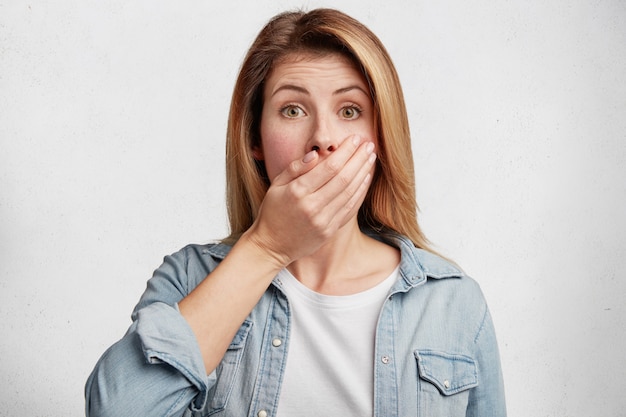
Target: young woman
pixel 326 298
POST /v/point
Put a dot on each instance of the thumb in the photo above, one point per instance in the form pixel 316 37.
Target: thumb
pixel 297 168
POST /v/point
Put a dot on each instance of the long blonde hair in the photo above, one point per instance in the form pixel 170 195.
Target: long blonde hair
pixel 390 204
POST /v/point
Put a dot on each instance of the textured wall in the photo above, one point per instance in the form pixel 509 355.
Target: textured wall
pixel 112 119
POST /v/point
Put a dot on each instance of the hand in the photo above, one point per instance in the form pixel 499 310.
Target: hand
pixel 311 199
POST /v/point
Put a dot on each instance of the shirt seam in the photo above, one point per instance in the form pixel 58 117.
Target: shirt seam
pixel 482 323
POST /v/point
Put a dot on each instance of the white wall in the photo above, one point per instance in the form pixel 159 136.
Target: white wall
pixel 112 119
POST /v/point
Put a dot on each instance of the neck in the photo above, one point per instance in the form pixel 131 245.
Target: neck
pixel 349 262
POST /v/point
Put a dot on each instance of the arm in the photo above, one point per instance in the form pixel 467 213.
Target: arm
pixel 164 364
pixel 156 368
pixel 487 399
pixel 305 205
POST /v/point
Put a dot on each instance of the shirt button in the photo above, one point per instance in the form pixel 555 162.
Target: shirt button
pixel 276 342
pixel 262 413
pixel 446 384
pixel 385 359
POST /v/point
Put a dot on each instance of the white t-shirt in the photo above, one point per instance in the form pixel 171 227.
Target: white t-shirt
pixel 330 363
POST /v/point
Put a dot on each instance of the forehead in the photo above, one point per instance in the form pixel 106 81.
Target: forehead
pixel 310 66
pixel 312 55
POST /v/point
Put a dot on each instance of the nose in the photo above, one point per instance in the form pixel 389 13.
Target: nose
pixel 322 140
pixel 318 149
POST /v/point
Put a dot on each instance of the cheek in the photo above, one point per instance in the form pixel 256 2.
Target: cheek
pixel 366 127
pixel 279 150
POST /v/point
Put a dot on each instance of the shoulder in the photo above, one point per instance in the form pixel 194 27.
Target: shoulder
pixel 200 252
pixel 443 293
pixel 437 268
pixel 435 277
pixel 419 264
pixel 193 262
pixel 448 279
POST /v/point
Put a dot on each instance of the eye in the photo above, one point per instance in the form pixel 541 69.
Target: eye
pixel 350 112
pixel 292 111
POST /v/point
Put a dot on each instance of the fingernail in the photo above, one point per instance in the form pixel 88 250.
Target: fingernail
pixel 372 158
pixel 309 157
pixel 356 139
pixel 370 147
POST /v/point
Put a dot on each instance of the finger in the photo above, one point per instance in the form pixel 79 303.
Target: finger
pixel 297 168
pixel 348 199
pixel 344 183
pixel 330 166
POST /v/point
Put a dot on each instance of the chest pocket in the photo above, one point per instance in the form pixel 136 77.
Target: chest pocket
pixel 227 371
pixel 444 382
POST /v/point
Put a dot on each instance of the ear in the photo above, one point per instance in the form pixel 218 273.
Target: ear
pixel 257 152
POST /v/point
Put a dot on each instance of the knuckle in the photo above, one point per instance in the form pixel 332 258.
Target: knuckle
pixel 316 218
pixel 295 189
pixel 327 234
pixel 318 225
pixel 308 211
pixel 293 168
pixel 332 166
pixel 345 181
pixel 350 205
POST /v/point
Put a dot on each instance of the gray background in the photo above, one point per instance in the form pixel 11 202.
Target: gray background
pixel 112 121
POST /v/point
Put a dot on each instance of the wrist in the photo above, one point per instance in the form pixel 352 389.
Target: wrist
pixel 260 250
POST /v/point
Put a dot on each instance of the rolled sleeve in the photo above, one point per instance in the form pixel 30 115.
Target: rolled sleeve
pixel 166 338
pixel 157 368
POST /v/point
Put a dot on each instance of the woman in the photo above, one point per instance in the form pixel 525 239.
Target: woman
pixel 325 299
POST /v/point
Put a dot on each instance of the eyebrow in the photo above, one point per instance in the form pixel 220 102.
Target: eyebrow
pixel 291 87
pixel 303 90
pixel 350 88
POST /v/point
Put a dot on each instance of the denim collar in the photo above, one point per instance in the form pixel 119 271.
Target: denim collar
pixel 416 265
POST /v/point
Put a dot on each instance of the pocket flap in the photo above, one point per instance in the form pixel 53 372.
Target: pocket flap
pixel 450 373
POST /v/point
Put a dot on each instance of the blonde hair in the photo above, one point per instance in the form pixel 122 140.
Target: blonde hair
pixel 390 205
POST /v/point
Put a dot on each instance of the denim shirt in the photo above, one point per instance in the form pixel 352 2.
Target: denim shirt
pixel 435 349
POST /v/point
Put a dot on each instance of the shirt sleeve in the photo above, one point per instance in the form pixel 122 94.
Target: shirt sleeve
pixel 487 399
pixel 156 369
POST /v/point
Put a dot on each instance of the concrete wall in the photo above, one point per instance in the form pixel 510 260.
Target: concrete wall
pixel 112 122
